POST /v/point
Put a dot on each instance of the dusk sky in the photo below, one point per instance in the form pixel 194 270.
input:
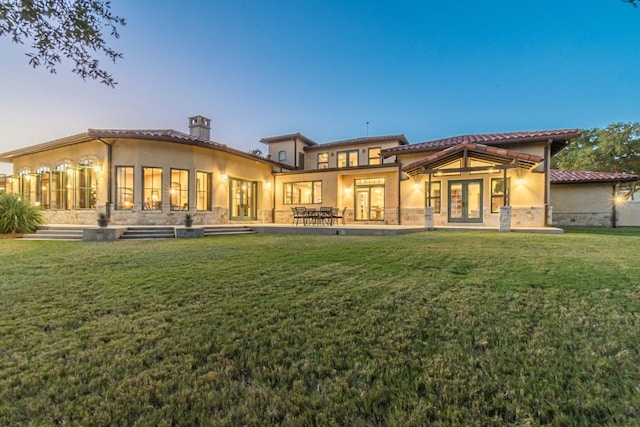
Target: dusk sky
pixel 427 69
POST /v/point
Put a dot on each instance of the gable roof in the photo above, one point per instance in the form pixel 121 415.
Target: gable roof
pixel 475 151
pixel 358 141
pixel 558 139
pixel 288 137
pixel 581 177
pixel 166 135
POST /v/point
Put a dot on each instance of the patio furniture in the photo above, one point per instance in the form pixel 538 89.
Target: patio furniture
pixel 335 214
pixel 299 214
pixel 325 215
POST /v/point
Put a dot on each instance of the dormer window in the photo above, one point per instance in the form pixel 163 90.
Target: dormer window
pixel 282 156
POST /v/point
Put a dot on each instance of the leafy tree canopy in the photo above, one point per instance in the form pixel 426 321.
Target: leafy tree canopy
pixel 613 149
pixel 63 28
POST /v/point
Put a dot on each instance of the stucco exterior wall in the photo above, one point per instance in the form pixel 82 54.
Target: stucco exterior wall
pixel 338 191
pixel 582 204
pixel 311 158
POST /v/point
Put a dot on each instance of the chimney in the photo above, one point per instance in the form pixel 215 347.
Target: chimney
pixel 200 127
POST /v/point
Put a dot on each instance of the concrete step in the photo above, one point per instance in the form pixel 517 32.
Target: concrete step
pixel 225 231
pixel 55 233
pixel 148 233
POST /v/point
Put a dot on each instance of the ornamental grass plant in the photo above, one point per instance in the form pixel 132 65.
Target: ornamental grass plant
pixel 18 215
pixel 434 328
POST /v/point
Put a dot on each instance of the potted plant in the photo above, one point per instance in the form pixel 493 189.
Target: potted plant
pixel 103 219
pixel 188 220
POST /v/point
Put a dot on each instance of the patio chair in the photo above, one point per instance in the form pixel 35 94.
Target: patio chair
pixel 337 216
pixel 325 215
pixel 299 214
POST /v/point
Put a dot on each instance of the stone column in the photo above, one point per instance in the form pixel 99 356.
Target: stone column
pixel 505 218
pixel 428 217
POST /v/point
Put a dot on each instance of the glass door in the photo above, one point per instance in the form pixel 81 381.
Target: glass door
pixel 243 199
pixel 465 201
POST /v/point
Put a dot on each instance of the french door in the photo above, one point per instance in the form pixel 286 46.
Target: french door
pixel 243 199
pixel 465 201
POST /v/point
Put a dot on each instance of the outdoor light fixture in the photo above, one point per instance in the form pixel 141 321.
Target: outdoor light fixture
pixel 69 171
pixel 96 168
pixel 223 175
pixel 347 189
pixel 268 185
pixel 619 199
pixel 520 181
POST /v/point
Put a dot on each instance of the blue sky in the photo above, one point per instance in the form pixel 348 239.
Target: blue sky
pixel 427 69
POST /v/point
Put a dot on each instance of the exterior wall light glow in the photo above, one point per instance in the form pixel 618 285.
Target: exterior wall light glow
pixel 268 185
pixel 96 168
pixel 223 175
pixel 520 181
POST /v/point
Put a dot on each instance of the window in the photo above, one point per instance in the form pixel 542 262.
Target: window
pixel 374 156
pixel 203 191
pixel 62 187
pixel 28 183
pixel 369 201
pixel 86 185
pixel 43 187
pixel 498 194
pixel 301 161
pixel 282 156
pixel 433 196
pixel 303 192
pixel 152 189
pixel 347 158
pixel 179 189
pixel 323 160
pixel 124 187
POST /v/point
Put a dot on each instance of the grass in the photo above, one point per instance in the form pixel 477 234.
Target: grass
pixel 425 329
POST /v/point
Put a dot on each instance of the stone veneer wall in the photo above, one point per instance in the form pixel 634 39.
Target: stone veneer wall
pixel 530 216
pixel 584 219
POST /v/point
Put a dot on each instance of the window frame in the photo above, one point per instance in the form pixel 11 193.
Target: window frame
pixel 282 156
pixel 205 195
pixel 182 193
pixel 119 204
pixel 430 198
pixel 152 205
pixel 377 158
pixel 323 164
pixel 348 162
pixel 288 197
pixel 502 196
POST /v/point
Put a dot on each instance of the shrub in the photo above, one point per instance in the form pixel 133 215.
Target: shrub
pixel 17 215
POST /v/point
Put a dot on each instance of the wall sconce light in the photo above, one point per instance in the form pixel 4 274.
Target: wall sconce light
pixel 619 200
pixel 520 181
pixel 416 185
pixel 224 175
pixel 268 185
pixel 69 171
pixel 96 168
pixel 347 190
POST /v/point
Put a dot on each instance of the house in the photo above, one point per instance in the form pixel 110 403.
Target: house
pixel 155 176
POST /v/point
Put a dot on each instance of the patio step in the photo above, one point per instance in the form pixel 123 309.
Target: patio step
pixel 148 233
pixel 48 232
pixel 226 231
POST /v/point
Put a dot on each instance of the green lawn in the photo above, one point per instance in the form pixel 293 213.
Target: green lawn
pixel 439 328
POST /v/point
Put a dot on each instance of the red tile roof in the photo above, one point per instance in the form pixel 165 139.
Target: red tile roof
pixel 155 134
pixel 288 137
pixel 578 177
pixel 356 141
pixel 488 139
pixel 499 155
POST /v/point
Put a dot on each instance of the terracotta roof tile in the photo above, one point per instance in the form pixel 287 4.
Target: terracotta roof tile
pixel 487 139
pixel 576 177
pixel 288 137
pixel 357 141
pixel 156 134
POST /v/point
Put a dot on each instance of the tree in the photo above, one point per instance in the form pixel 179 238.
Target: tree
pixel 613 149
pixel 633 3
pixel 256 152
pixel 63 28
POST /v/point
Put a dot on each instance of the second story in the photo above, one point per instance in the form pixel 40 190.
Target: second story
pixel 302 153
